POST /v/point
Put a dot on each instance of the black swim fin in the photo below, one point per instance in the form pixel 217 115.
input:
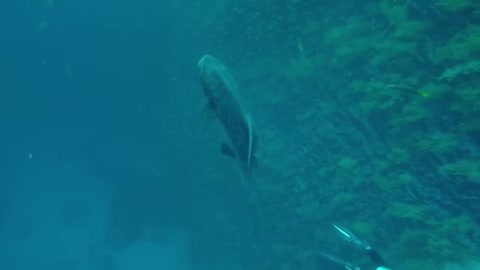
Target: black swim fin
pixel 227 150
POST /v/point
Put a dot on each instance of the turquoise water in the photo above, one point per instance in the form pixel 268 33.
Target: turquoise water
pixel 366 114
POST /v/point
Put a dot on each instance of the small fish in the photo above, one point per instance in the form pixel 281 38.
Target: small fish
pixel 224 104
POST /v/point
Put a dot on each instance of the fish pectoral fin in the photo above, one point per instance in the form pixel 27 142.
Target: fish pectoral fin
pixel 209 111
pixel 227 150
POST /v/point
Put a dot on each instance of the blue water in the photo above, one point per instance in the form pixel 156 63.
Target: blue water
pixel 109 160
pixel 98 142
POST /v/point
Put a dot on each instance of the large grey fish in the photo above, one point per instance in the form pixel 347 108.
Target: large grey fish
pixel 220 88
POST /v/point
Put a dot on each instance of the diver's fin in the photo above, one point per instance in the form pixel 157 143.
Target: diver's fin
pixel 348 236
pixel 227 150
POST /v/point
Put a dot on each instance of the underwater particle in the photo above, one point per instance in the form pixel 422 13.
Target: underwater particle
pixel 30 156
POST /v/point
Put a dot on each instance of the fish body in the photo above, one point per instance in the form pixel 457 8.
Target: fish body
pixel 224 104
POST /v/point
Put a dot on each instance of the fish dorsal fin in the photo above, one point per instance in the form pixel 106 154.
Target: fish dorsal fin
pixel 250 142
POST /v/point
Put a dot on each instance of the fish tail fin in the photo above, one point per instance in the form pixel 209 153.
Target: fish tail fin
pixel 250 142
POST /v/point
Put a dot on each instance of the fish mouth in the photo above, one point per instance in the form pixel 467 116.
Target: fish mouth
pixel 202 62
pixel 207 61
